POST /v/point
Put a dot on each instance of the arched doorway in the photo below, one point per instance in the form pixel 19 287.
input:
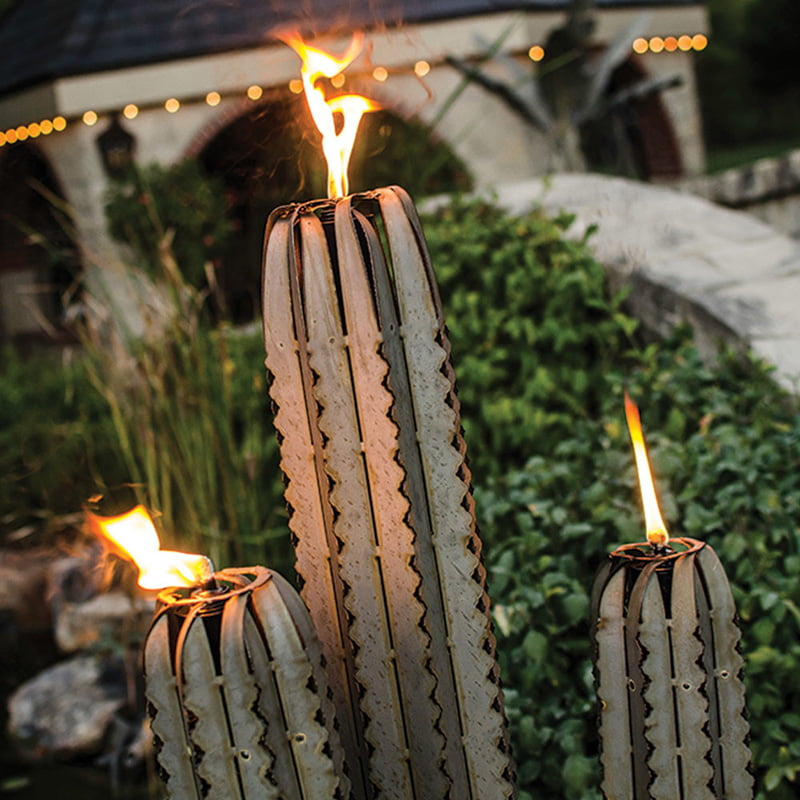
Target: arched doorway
pixel 37 257
pixel 271 156
pixel 635 137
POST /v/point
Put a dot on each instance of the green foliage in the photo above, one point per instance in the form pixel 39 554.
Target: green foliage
pixel 55 439
pixel 190 411
pixel 532 329
pixel 556 488
pixel 176 204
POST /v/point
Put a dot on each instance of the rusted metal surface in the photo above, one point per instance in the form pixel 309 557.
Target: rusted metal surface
pixel 683 731
pixel 238 695
pixel 378 490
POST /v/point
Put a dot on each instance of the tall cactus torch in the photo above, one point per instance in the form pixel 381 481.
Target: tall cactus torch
pixel 378 489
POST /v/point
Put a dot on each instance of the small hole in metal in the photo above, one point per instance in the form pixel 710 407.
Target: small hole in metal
pixel 724 673
pixel 631 685
pixel 686 686
pixel 300 738
pixel 244 754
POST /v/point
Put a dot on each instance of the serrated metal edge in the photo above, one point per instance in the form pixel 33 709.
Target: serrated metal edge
pixel 660 727
pixel 310 642
pixel 242 688
pixel 395 538
pixel 201 696
pixel 310 514
pixel 442 451
pixel 610 672
pixel 174 752
pixel 353 523
pixel 734 729
pixel 691 699
pixel 297 683
pixel 445 698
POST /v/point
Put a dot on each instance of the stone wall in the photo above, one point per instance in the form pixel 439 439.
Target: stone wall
pixel 769 189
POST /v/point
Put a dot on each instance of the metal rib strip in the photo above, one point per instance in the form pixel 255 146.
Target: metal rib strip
pixel 442 454
pixel 175 754
pixel 202 698
pixel 311 520
pixel 610 668
pixel 660 727
pixel 338 420
pixel 446 698
pixel 735 730
pixel 390 507
pixel 691 699
pixel 297 685
pixel 310 642
pixel 636 682
pixel 243 687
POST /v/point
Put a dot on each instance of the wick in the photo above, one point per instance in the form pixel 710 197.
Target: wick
pixel 210 586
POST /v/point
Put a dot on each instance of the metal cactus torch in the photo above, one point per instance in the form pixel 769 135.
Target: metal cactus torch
pixel 377 485
pixel 667 666
pixel 233 676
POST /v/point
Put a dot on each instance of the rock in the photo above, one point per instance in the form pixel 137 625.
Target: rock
pixel 113 615
pixel 65 711
pixel 23 586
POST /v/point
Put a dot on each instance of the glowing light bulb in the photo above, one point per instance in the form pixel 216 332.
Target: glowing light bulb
pixel 89 118
pixel 254 92
pixel 131 111
pixel 172 105
pixel 640 46
pixel 422 68
pixel 213 99
pixel 536 53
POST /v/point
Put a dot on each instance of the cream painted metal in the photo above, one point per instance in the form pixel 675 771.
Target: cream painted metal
pixel 668 676
pixel 378 489
pixel 238 695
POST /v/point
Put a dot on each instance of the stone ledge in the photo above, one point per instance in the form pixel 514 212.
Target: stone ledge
pixel 734 278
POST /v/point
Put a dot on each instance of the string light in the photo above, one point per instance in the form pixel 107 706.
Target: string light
pixel 89 118
pixel 22 133
pixel 172 105
pixel 254 92
pixel 380 74
pixel 669 44
pixel 131 111
pixel 296 86
pixel 59 124
pixel 47 127
pixel 536 53
pixel 337 81
pixel 422 68
pixel 34 130
pixel 213 99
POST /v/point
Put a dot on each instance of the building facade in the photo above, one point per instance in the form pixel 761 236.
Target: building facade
pixel 172 76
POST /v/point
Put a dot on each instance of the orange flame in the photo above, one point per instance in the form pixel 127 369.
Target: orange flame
pixel 337 147
pixel 134 535
pixel 656 530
